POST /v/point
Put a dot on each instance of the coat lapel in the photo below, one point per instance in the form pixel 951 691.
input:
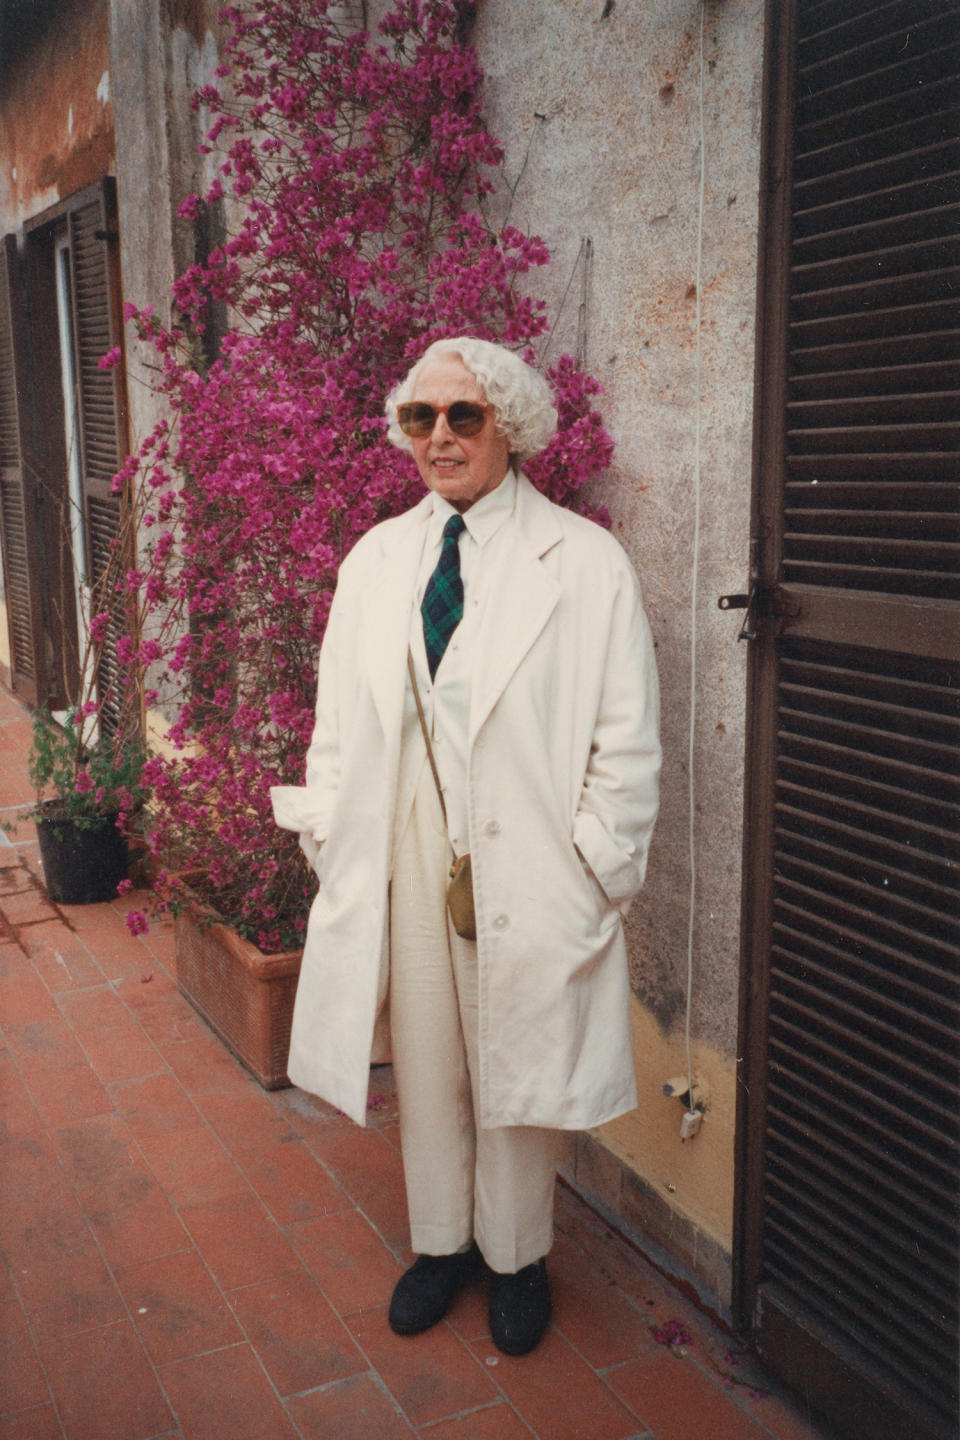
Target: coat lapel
pixel 522 599
pixel 385 616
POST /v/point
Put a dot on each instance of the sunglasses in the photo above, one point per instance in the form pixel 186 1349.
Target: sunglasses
pixel 465 417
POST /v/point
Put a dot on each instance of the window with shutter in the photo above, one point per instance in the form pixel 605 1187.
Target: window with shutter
pixel 101 415
pixel 18 532
pixel 851 1118
pixel 74 315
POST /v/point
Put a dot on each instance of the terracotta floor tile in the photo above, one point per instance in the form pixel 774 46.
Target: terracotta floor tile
pixel 61 959
pixel 156 1105
pixel 159 940
pixel 122 1053
pixel 225 1396
pixel 204 1066
pixel 358 1408
pixel 495 1422
pixel 24 999
pixel 558 1395
pixel 431 1376
pixel 140 979
pixel 28 907
pixel 95 1007
pixel 371 1172
pixel 592 1312
pixel 299 1339
pixel 102 928
pixel 13 877
pixel 22 1381
pixel 192 1167
pixel 29 1163
pixel 130 1216
pixel 176 1307
pixel 350 1262
pixel 291 1182
pixel 677 1401
pixel 58 1270
pixel 104 1386
pixel 245 1123
pixel 239 1241
pixel 72 1092
pixel 164 1014
pixel 41 1423
pixel 97 1151
pixel 56 1071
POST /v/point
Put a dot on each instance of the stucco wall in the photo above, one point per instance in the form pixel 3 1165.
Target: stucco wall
pixel 597 104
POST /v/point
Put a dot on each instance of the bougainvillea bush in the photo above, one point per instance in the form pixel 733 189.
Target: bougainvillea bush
pixel 362 175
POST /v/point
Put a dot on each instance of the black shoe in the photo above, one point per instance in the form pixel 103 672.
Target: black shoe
pixel 519 1308
pixel 424 1294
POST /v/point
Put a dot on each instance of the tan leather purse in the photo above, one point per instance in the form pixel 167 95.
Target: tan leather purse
pixel 460 886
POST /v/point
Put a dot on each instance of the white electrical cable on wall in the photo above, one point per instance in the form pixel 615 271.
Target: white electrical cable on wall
pixel 694 585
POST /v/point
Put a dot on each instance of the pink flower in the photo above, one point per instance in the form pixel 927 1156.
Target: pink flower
pixel 84 783
pixel 111 359
pixel 137 923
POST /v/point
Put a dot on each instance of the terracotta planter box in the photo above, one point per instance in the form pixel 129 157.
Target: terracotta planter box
pixel 245 997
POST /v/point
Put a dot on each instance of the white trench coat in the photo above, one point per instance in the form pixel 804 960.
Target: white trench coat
pixel 563 768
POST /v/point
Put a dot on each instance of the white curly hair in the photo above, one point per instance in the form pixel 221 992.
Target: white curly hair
pixel 520 396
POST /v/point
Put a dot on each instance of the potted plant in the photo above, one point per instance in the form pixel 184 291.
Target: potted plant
pixel 360 169
pixel 89 784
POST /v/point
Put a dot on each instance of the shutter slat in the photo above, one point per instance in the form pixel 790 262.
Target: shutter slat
pixel 853 1113
pixel 815 1246
pixel 874 409
pixel 910 133
pixel 865 100
pixel 841 1166
pixel 889 294
pixel 790 1190
pixel 936 435
pixel 827 186
pixel 934 316
pixel 931 253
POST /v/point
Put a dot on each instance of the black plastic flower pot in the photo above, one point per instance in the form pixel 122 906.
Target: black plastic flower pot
pixel 82 864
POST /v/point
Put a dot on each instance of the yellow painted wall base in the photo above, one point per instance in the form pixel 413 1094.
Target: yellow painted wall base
pixel 673 1197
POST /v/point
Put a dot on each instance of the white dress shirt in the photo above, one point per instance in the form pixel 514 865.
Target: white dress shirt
pixel 446 699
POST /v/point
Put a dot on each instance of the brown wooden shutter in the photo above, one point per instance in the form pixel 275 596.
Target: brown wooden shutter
pixel 18 522
pixel 851 1231
pixel 101 410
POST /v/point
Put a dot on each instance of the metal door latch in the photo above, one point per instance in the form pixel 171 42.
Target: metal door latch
pixel 766 606
pixel 740 601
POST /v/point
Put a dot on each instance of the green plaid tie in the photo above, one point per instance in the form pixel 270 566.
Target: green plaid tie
pixel 442 607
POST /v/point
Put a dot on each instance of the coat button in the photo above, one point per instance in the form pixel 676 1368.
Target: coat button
pixel 492 828
pixel 501 922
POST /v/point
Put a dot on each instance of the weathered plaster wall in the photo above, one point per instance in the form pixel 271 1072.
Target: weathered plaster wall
pixel 56 112
pixel 162 50
pixel 597 105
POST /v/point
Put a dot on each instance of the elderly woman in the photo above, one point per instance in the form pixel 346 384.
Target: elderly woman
pixel 487 688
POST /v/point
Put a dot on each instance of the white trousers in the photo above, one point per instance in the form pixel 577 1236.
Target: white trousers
pixel 463 1182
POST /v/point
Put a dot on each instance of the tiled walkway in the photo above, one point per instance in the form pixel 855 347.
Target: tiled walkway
pixel 188 1256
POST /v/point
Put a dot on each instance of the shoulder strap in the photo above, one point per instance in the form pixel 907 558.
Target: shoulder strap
pixel 426 733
